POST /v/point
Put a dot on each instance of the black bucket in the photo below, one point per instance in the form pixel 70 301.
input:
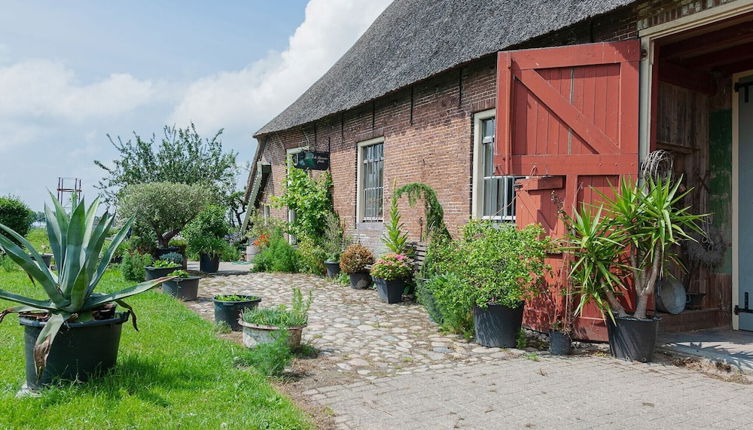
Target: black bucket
pixel 360 280
pixel 159 272
pixel 80 350
pixel 498 326
pixel 333 268
pixel 230 312
pixel 559 343
pixel 186 289
pixel 209 264
pixel 390 291
pixel 633 339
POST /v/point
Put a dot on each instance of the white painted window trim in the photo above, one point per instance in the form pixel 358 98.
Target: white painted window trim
pixel 359 176
pixel 477 184
pixel 477 200
pixel 648 39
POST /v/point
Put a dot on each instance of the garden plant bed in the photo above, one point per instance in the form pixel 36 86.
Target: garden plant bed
pixel 154 382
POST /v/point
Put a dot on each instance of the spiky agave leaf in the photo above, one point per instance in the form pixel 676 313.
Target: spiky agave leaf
pixel 77 241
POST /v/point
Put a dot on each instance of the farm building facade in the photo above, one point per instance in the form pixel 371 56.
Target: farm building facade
pixel 511 110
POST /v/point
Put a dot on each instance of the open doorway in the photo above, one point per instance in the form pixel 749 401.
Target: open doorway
pixel 698 96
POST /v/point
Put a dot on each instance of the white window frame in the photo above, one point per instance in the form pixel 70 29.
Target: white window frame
pixel 477 195
pixel 359 180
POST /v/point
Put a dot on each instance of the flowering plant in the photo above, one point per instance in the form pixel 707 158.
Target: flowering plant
pixel 392 266
pixel 262 241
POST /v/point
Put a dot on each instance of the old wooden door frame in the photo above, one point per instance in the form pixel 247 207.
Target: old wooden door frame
pixel 649 90
pixel 736 196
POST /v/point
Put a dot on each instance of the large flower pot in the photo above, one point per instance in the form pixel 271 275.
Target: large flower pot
pixel 251 251
pixel 497 326
pixel 333 268
pixel 208 263
pixel 80 350
pixel 159 272
pixel 254 335
pixel 360 280
pixel 46 258
pixel 390 291
pixel 559 343
pixel 230 312
pixel 186 289
pixel 633 339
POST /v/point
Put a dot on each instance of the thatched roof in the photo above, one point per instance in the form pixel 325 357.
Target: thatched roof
pixel 415 39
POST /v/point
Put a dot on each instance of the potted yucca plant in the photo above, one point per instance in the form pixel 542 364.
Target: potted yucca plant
pixel 75 331
pixel 622 248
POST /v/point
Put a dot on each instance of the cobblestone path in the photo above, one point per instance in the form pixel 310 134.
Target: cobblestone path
pixel 386 367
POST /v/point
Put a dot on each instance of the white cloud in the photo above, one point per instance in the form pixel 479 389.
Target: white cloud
pixel 251 96
pixel 44 88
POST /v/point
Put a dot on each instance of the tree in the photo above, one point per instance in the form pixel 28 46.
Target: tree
pixel 15 214
pixel 181 156
pixel 164 207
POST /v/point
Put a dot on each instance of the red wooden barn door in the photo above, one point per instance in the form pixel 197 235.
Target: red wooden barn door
pixel 568 120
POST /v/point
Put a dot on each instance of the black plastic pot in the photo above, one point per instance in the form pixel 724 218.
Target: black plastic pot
pixel 390 291
pixel 559 343
pixel 80 351
pixel 333 268
pixel 186 289
pixel 209 264
pixel 360 280
pixel 159 272
pixel 633 339
pixel 46 258
pixel 498 326
pixel 230 312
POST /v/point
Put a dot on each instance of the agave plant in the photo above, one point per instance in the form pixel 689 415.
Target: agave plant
pixel 77 241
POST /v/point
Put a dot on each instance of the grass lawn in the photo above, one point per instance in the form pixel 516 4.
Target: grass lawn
pixel 174 373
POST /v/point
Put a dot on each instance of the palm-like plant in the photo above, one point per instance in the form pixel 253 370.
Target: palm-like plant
pixel 642 225
pixel 77 241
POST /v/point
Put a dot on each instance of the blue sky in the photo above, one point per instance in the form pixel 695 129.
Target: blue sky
pixel 71 72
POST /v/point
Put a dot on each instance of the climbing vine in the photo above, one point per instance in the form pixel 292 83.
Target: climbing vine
pixel 311 201
pixel 435 226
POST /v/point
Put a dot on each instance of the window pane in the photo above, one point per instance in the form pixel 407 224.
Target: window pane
pixel 373 182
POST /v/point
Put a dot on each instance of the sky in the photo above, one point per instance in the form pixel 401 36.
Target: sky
pixel 73 72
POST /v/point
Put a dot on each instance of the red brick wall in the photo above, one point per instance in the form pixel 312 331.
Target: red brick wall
pixel 428 129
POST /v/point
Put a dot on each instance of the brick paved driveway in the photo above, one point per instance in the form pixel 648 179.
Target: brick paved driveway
pixel 386 367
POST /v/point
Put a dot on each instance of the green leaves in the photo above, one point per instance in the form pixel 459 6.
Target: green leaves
pixel 309 199
pixel 77 241
pixel 641 226
pixel 394 237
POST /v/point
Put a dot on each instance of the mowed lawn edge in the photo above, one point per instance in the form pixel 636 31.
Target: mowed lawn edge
pixel 174 373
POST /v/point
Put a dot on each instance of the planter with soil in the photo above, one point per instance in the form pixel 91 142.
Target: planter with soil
pixel 559 343
pixel 390 291
pixel 186 289
pixel 360 280
pixel 81 349
pixel 254 334
pixel 209 263
pixel 633 339
pixel 333 268
pixel 498 326
pixel 159 272
pixel 228 309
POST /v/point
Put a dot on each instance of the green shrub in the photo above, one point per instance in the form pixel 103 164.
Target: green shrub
pixel 453 302
pixel 270 359
pixel 172 257
pixel 230 253
pixel 500 263
pixel 355 258
pixel 279 256
pixel 133 266
pixel 310 199
pixel 425 297
pixel 312 257
pixel 15 215
pixel 205 234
